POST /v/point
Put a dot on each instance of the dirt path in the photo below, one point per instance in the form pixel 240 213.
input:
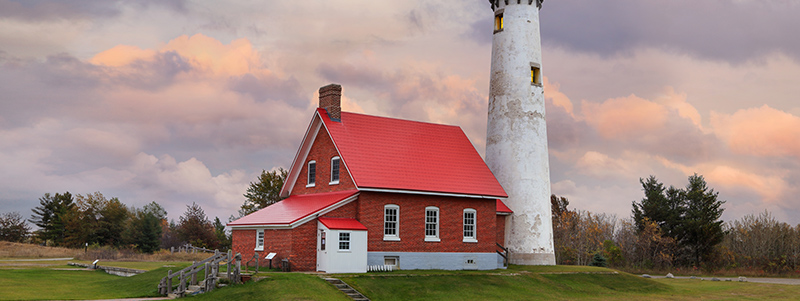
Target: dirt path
pixel 135 299
pixel 789 281
pixel 39 259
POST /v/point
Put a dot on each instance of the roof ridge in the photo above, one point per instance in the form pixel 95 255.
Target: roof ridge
pixel 400 119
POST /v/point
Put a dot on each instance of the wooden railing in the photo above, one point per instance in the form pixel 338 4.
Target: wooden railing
pixel 189 248
pixel 503 254
pixel 247 265
pixel 210 266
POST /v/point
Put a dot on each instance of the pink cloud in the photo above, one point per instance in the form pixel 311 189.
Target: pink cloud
pixel 556 97
pixel 624 117
pixel 762 131
pixel 202 52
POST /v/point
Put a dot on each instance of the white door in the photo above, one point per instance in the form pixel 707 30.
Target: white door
pixel 322 249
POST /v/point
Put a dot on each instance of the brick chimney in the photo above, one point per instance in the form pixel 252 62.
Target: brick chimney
pixel 330 99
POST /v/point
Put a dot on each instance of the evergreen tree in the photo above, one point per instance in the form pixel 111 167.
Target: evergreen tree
pixel 664 206
pixel 702 226
pixel 264 192
pixel 145 227
pixel 598 260
pixel 113 218
pixel 195 228
pixel 49 217
pixel 223 237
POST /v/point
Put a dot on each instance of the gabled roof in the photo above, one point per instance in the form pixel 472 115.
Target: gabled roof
pixel 296 210
pixel 395 155
pixel 502 209
pixel 342 223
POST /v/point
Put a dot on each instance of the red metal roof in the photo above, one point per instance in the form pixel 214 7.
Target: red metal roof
pixel 396 154
pixel 502 208
pixel 341 223
pixel 293 208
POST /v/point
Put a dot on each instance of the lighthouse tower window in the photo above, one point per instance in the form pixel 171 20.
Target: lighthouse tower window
pixel 498 22
pixel 536 76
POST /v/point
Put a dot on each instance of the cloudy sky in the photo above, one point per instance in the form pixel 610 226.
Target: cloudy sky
pixel 179 101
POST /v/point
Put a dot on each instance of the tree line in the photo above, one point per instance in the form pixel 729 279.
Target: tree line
pixel 674 227
pixel 76 221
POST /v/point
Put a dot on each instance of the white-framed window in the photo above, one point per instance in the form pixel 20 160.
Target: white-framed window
pixel 432 224
pixel 391 222
pixel 322 240
pixel 393 261
pixel 344 241
pixel 312 173
pixel 335 163
pixel 260 240
pixel 470 225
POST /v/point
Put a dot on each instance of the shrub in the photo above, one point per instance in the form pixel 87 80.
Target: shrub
pixel 598 260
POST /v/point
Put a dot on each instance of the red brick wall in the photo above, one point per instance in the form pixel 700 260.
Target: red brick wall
pixel 347 211
pixel 412 223
pixel 277 241
pixel 244 241
pixel 304 247
pixel 322 150
pixel 501 230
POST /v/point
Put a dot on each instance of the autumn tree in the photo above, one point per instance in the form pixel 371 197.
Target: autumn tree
pixel 169 235
pixel 578 235
pixel 647 247
pixel 95 220
pixel 263 192
pixel 49 217
pixel 760 241
pixel 195 228
pixel 13 227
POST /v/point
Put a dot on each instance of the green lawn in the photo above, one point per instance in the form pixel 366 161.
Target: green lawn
pixel 278 286
pixel 139 265
pixel 524 285
pixel 556 283
pixel 515 283
pixel 49 284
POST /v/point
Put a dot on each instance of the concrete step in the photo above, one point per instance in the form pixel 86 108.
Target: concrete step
pixel 346 289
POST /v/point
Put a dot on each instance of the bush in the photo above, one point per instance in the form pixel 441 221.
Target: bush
pixel 598 260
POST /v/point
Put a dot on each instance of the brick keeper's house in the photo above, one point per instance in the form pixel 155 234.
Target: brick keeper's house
pixel 368 190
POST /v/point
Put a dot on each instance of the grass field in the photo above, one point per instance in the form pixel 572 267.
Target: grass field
pixel 50 280
pixel 49 284
pixel 278 286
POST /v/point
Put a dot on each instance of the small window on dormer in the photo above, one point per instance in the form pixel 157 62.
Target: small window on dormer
pixel 335 162
pixel 498 22
pixel 312 173
pixel 536 76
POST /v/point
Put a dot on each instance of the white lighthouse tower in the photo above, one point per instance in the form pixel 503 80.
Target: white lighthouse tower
pixel 516 139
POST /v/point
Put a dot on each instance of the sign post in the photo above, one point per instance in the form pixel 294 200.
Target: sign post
pixel 270 256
